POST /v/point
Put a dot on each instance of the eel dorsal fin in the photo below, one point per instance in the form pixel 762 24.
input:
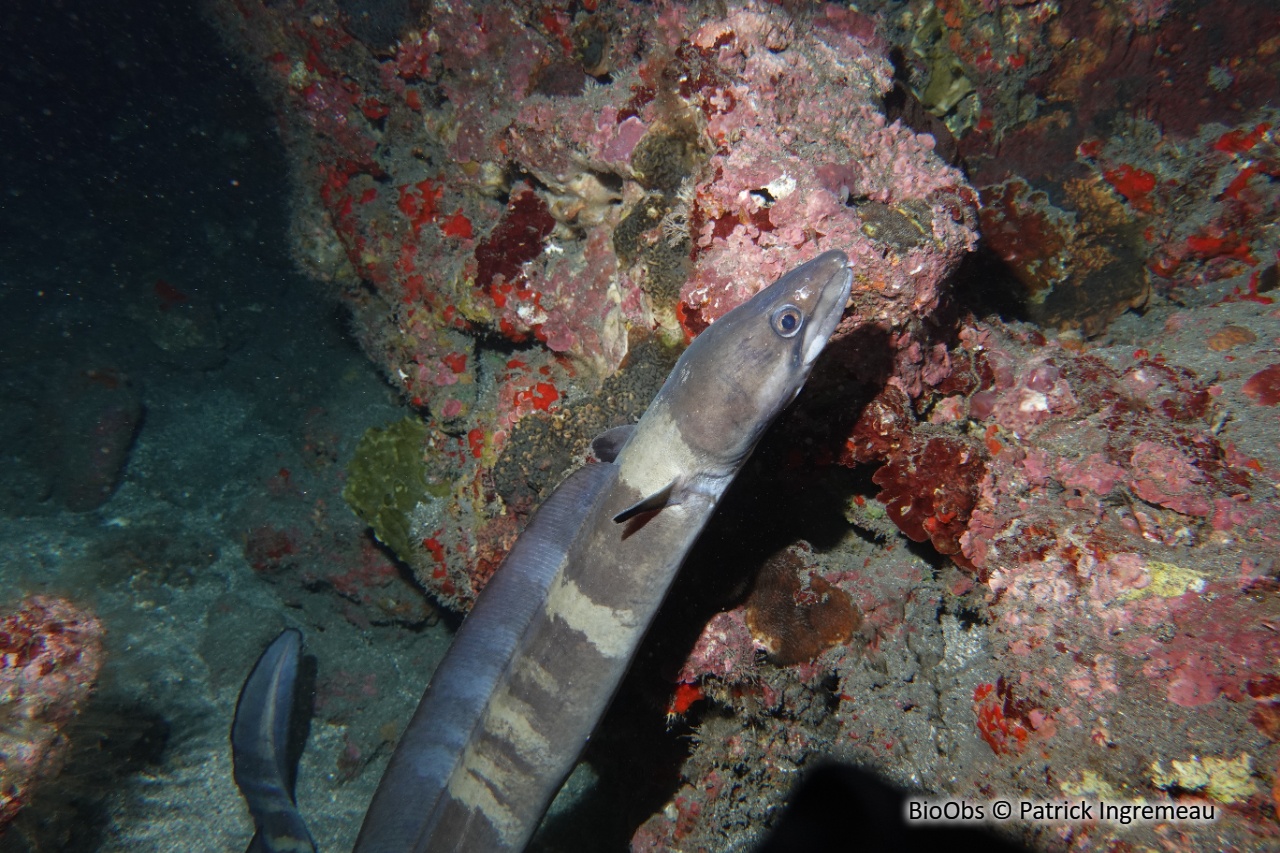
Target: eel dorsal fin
pixel 608 444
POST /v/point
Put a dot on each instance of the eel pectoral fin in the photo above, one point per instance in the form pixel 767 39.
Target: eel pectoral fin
pixel 652 503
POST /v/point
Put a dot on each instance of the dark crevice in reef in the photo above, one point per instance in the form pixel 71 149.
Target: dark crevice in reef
pixel 110 741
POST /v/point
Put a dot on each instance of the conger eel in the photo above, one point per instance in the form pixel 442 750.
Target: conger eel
pixel 535 665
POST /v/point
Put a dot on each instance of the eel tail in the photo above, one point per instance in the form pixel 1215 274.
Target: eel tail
pixel 259 749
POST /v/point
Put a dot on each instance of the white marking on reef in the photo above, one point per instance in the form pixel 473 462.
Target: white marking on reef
pixel 612 632
pixel 781 187
pixel 1032 401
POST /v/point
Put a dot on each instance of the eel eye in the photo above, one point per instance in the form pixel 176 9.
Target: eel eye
pixel 787 320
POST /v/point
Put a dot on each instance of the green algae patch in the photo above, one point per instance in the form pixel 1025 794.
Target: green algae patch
pixel 1227 780
pixel 387 479
pixel 1167 581
pixel 1091 785
pixel 1170 581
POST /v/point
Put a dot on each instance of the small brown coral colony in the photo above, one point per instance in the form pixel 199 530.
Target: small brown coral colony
pixel 795 613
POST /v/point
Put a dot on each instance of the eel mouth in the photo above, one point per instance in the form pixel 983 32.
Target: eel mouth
pixel 831 278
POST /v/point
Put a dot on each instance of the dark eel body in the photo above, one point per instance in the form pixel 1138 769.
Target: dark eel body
pixel 537 662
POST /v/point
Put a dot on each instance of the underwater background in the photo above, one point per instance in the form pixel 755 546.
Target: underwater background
pixel 306 306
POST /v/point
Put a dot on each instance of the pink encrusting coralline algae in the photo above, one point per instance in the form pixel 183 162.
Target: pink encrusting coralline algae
pixel 50 654
pixel 1056 572
pixel 498 184
pixel 1110 614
